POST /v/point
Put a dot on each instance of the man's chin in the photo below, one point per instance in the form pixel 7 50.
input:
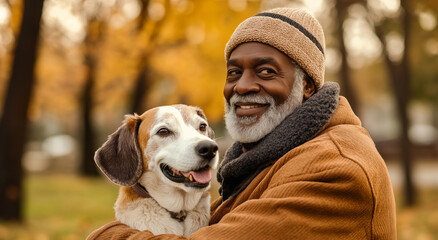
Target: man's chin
pixel 246 129
pixel 246 122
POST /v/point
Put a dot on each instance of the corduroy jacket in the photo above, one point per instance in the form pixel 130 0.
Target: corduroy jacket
pixel 334 186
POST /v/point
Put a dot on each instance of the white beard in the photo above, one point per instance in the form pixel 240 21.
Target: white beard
pixel 248 129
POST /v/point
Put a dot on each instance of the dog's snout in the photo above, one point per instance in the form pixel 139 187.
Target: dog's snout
pixel 206 149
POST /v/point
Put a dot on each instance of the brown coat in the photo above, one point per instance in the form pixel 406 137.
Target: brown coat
pixel 335 186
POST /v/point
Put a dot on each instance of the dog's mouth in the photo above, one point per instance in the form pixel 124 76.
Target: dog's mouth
pixel 199 178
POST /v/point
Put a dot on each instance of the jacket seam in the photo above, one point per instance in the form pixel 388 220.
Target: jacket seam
pixel 366 174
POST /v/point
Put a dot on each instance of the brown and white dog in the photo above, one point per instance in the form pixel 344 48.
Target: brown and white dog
pixel 163 161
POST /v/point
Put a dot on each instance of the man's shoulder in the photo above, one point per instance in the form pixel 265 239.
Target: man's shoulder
pixel 354 142
pixel 336 148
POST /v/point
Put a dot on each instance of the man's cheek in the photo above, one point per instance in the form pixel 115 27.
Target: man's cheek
pixel 228 91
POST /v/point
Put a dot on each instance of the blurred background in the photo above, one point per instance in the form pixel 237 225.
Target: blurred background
pixel 71 69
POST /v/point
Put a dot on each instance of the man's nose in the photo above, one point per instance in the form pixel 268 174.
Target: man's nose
pixel 246 84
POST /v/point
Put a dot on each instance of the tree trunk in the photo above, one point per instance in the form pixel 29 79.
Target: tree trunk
pixel 94 36
pixel 141 86
pixel 14 119
pixel 399 73
pixel 404 97
pixel 143 80
pixel 88 167
pixel 344 73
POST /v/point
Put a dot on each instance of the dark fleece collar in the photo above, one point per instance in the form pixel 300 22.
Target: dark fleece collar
pixel 239 168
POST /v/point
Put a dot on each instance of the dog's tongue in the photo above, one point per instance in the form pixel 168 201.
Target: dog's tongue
pixel 203 176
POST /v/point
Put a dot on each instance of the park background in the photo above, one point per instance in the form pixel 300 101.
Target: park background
pixel 71 69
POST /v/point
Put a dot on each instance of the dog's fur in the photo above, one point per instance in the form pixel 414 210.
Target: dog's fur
pixel 147 149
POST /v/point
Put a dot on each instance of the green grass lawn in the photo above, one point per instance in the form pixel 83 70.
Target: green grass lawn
pixel 63 207
pixel 70 207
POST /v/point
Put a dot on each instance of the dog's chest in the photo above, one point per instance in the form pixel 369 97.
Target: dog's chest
pixel 146 214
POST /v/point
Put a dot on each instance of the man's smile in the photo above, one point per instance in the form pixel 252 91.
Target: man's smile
pixel 250 109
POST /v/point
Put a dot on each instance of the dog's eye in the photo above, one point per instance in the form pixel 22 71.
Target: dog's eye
pixel 203 127
pixel 163 132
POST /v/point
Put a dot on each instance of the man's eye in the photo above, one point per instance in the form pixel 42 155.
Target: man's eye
pixel 203 127
pixel 233 72
pixel 164 132
pixel 266 71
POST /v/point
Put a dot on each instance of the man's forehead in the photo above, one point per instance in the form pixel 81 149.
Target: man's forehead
pixel 260 52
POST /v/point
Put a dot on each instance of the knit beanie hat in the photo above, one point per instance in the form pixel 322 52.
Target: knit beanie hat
pixel 294 32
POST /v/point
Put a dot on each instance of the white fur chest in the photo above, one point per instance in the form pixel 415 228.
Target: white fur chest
pixel 147 214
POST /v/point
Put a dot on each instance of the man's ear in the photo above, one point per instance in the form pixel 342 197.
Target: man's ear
pixel 120 157
pixel 308 88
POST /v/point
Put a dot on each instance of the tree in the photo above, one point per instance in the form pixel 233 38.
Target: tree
pixel 14 119
pixel 399 73
pixel 344 72
pixel 94 36
pixel 142 81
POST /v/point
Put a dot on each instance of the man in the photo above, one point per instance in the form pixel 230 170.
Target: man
pixel 302 167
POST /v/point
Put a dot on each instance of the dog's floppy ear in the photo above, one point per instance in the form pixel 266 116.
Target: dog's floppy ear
pixel 120 157
pixel 210 131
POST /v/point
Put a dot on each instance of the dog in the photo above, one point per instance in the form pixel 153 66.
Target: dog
pixel 163 161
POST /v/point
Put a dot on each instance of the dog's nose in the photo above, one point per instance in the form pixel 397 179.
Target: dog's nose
pixel 206 149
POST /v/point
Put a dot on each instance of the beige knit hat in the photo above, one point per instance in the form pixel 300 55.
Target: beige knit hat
pixel 295 32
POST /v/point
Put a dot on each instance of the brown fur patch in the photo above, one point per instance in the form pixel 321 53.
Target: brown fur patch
pixel 131 122
pixel 147 119
pixel 126 195
pixel 187 112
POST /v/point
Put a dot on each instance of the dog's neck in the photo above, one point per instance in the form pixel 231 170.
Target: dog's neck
pixel 142 192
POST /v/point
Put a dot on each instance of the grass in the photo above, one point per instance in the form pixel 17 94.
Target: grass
pixel 420 221
pixel 62 207
pixel 70 207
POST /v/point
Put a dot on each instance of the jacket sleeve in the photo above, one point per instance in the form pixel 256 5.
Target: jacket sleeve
pixel 117 230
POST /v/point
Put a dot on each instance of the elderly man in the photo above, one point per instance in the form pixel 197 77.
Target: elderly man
pixel 302 166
